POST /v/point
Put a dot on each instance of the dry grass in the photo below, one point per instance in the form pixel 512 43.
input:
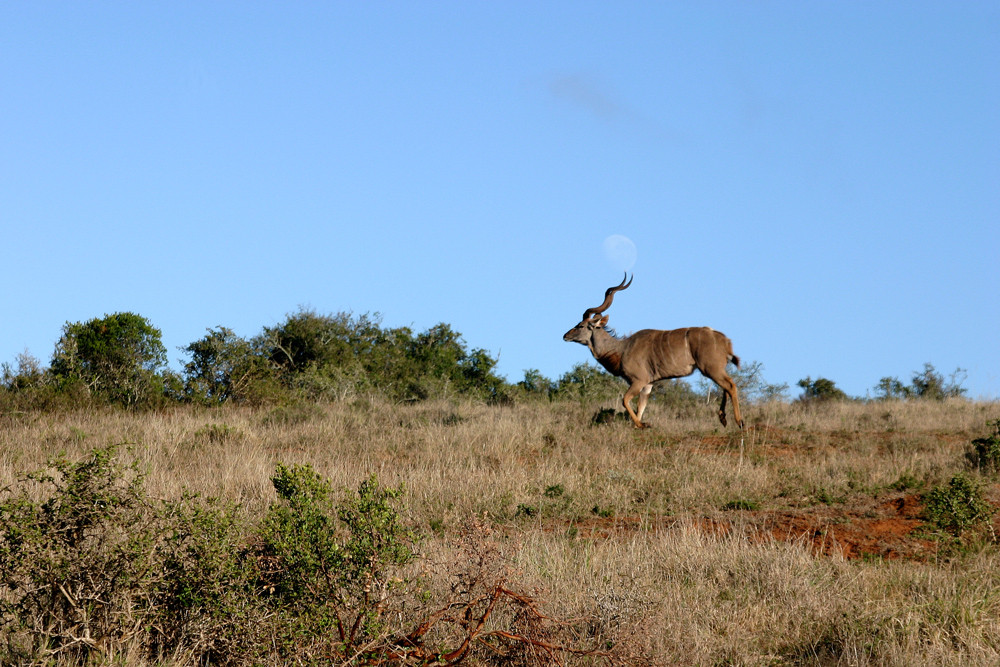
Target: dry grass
pixel 626 526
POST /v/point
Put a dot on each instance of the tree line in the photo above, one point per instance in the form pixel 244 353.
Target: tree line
pixel 120 359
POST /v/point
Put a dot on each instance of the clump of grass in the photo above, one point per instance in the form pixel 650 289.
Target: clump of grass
pixel 294 413
pixel 217 433
pixel 905 482
pixel 740 504
pixel 609 416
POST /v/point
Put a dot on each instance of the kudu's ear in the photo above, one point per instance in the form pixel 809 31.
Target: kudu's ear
pixel 602 321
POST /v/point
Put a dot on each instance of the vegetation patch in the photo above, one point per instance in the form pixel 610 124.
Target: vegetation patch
pixel 958 506
pixel 984 454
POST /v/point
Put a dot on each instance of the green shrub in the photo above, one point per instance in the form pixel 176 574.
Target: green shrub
pixel 609 416
pixel 587 382
pixel 905 481
pixel 334 356
pixel 76 554
pixel 331 568
pixel 930 384
pixel 554 491
pixel 984 455
pixel 536 385
pixel 927 383
pixel 958 506
pixel 675 394
pixel 205 598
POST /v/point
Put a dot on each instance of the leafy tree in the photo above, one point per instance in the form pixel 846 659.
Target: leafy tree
pixel 820 389
pixel 118 357
pixel 441 362
pixel 223 367
pixel 932 385
pixel 307 339
pixel 890 388
pixel 326 355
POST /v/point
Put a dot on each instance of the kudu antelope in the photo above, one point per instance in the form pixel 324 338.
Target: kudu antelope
pixel 654 354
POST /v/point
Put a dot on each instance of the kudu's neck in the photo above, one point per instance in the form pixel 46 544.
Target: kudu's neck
pixel 607 350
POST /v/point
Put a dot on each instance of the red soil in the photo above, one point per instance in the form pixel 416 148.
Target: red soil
pixel 887 528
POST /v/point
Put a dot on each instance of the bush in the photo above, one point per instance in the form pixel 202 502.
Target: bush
pixel 587 382
pixel 334 356
pixel 119 357
pixel 205 597
pixel 536 385
pixel 89 564
pixel 74 565
pixel 958 506
pixel 984 455
pixel 94 571
pixel 29 386
pixel 331 569
pixel 927 384
pixel 820 389
pixel 930 384
pixel 753 388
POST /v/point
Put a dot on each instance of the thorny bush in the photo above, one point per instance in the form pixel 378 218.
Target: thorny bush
pixel 92 569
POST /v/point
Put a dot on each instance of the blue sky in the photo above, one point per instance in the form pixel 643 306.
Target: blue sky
pixel 818 180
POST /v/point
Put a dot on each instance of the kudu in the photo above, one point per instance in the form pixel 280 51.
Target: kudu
pixel 654 354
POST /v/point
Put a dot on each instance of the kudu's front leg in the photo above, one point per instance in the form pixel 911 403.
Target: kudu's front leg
pixel 633 391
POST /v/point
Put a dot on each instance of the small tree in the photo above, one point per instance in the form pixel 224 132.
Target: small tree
pixel 890 388
pixel 223 367
pixel 820 389
pixel 118 357
pixel 29 373
pixel 927 383
pixel 931 384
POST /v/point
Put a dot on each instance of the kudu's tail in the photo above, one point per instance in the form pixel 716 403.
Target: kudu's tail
pixel 732 357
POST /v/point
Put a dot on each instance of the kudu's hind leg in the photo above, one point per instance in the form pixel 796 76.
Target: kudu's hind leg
pixel 729 390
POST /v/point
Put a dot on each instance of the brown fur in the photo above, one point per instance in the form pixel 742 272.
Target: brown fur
pixel 654 354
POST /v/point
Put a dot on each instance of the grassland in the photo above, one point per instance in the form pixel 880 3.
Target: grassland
pixel 801 541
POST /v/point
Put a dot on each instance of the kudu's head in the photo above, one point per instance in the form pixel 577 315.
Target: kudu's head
pixel 592 320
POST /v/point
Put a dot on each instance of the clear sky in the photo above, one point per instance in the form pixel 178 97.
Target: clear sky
pixel 818 180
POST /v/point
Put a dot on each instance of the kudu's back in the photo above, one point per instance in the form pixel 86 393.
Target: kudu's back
pixel 658 354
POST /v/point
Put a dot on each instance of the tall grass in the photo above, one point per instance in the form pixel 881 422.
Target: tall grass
pixel 614 525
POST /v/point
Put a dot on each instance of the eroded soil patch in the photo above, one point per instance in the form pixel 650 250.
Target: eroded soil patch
pixel 886 527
